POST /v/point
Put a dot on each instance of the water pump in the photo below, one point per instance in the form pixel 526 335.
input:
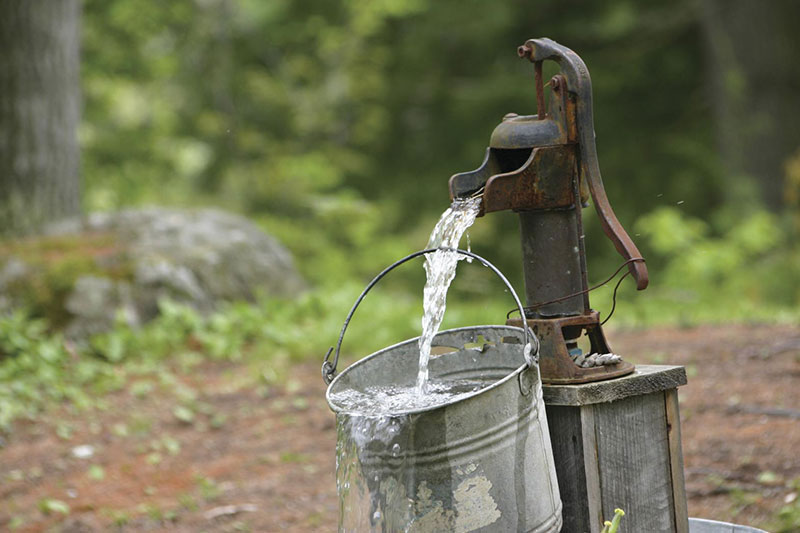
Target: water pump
pixel 545 168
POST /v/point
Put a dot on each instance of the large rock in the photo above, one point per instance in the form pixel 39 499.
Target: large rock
pixel 131 259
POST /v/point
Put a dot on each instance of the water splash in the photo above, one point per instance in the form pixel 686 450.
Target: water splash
pixel 440 268
pixel 372 474
pixel 376 480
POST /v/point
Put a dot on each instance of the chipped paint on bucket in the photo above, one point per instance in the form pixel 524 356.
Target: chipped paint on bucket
pixel 474 508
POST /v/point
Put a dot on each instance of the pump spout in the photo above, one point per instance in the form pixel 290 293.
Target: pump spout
pixel 466 184
pixel 534 181
pixel 526 166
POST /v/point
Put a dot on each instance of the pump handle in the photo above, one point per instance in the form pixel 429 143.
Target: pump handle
pixel 579 83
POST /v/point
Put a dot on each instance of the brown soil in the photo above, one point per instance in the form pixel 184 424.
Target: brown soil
pixel 262 460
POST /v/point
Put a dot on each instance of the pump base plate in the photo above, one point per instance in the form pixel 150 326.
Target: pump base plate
pixel 555 364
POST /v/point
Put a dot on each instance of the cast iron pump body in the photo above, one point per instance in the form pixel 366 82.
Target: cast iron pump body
pixel 544 167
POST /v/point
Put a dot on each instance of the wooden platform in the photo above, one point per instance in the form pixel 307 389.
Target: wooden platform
pixel 617 443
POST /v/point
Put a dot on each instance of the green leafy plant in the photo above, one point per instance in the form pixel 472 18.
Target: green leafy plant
pixel 702 274
pixel 40 368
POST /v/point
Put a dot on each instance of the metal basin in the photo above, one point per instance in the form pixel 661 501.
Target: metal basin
pixel 700 525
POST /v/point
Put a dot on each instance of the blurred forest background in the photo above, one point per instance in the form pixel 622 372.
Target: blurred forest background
pixel 335 125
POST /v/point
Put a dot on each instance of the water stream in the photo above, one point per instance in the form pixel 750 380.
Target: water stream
pixel 440 268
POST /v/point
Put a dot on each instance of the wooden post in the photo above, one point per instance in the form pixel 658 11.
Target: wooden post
pixel 616 443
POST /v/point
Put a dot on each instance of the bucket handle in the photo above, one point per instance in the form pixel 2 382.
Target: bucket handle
pixel 531 355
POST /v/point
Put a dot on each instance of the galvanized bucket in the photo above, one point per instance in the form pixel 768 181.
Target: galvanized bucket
pixel 482 463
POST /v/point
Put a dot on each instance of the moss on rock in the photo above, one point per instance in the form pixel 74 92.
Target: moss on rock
pixel 84 272
pixel 39 273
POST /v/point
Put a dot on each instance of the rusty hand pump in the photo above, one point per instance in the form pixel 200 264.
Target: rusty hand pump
pixel 545 168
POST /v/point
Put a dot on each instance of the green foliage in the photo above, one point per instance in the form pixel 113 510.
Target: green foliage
pixel 33 364
pixel 336 125
pixel 699 275
pixel 788 519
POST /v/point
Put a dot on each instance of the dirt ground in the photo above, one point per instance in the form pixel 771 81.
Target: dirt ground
pixel 248 458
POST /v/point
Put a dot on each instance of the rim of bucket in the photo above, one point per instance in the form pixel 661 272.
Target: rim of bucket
pixel 512 375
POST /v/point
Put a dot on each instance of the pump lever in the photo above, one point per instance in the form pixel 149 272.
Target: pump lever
pixel 580 84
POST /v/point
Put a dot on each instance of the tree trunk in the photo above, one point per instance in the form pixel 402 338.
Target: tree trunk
pixel 752 50
pixel 39 113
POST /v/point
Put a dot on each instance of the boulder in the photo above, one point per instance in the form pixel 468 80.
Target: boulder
pixel 127 261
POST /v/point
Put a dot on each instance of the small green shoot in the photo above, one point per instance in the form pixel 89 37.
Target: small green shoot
pixel 613 525
pixel 96 473
pixel 187 501
pixel 209 489
pixel 153 458
pixel 218 420
pixel 51 506
pixel 184 414
pixel 172 446
pixel 64 431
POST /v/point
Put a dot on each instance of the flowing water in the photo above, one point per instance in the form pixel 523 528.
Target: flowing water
pixel 440 267
pixel 373 477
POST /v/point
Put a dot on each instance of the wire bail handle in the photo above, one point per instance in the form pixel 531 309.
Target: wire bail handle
pixel 530 354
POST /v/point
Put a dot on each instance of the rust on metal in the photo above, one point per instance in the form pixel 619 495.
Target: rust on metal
pixel 545 167
pixel 535 185
pixel 555 363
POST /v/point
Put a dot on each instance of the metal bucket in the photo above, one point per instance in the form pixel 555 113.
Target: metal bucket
pixel 482 463
pixel 700 525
